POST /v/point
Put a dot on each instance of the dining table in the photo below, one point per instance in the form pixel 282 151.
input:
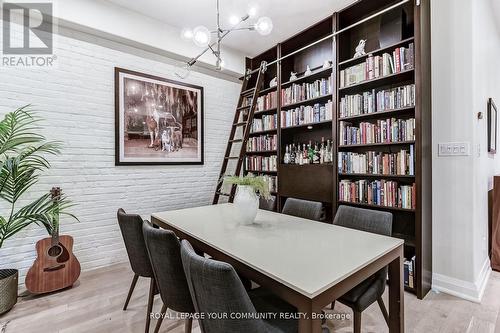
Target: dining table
pixel 307 263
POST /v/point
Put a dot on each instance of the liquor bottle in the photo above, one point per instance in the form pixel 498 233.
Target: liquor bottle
pixel 305 154
pixel 300 158
pixel 310 153
pixel 328 154
pixel 286 158
pixel 322 151
pixel 317 155
pixel 293 156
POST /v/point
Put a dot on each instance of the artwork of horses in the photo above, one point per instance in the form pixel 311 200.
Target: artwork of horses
pixel 158 121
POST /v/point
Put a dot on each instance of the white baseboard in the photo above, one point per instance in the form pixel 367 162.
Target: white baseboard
pixel 464 289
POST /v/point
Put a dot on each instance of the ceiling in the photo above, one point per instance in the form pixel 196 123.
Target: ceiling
pixel 289 17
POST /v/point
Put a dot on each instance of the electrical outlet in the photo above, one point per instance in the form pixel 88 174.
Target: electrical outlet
pixel 454 149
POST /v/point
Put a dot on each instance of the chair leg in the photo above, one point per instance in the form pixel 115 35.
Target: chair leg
pixel 188 325
pixel 357 322
pixel 381 304
pixel 333 305
pixel 130 291
pixel 150 303
pixel 160 320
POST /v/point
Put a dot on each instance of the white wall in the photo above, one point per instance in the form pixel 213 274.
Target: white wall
pixel 465 72
pixel 77 100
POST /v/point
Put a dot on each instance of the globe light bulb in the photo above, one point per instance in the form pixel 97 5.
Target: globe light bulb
pixel 201 36
pixel 252 10
pixel 264 26
pixel 187 34
pixel 233 20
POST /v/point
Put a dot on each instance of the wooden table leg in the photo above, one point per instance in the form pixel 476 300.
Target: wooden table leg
pixel 396 295
pixel 306 322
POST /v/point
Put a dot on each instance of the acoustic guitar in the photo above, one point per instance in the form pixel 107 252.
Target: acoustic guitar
pixel 55 267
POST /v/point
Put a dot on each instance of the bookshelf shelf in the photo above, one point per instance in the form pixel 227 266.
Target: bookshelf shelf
pixel 318 73
pixel 374 115
pixel 354 61
pixel 274 130
pixel 372 175
pixel 401 143
pixel 307 101
pixel 261 171
pixel 267 90
pixel 376 206
pixel 261 152
pixel 320 123
pixel 378 82
pixel 272 110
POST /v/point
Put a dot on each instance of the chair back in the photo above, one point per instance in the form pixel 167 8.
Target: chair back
pixel 165 255
pixel 216 289
pixel 311 210
pixel 268 204
pixel 368 220
pixel 131 229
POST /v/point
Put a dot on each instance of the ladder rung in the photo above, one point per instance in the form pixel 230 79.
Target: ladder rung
pixel 232 158
pixel 243 107
pixel 247 92
pixel 222 193
pixel 240 124
pixel 236 140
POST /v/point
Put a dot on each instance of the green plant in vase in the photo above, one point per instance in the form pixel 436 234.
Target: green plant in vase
pixel 249 189
pixel 23 158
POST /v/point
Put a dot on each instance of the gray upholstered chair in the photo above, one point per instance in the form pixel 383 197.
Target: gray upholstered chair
pixel 268 204
pixel 367 292
pixel 311 210
pixel 131 229
pixel 165 255
pixel 227 295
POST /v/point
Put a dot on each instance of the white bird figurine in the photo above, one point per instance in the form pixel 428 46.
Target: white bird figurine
pixel 360 49
pixel 308 71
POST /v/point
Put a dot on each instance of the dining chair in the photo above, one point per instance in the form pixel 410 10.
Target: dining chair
pixel 311 210
pixel 164 251
pixel 131 229
pixel 370 290
pixel 268 204
pixel 227 295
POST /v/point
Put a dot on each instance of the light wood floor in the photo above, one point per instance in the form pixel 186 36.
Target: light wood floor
pixel 95 305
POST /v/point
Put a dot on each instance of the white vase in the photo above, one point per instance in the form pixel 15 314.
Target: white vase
pixel 247 204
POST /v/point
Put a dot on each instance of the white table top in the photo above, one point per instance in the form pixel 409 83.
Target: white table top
pixel 305 255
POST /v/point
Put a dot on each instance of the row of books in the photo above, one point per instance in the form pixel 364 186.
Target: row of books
pixel 377 101
pixel 266 102
pixel 377 163
pixel 401 59
pixel 302 92
pixel 383 131
pixel 262 143
pixel 307 114
pixel 409 272
pixel 384 193
pixel 272 181
pixel 267 122
pixel 261 163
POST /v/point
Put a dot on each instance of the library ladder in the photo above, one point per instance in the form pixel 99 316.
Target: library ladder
pixel 243 119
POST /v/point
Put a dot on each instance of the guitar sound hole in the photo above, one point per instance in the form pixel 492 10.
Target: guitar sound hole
pixel 55 251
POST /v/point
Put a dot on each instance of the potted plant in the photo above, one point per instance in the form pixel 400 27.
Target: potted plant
pixel 23 154
pixel 248 191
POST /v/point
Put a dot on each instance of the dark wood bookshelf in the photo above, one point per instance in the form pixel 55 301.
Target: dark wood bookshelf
pixel 272 110
pixel 258 152
pixel 320 182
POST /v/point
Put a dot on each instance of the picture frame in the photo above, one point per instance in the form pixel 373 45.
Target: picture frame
pixel 158 121
pixel 492 126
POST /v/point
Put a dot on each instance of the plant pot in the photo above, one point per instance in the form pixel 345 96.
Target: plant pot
pixel 8 289
pixel 247 204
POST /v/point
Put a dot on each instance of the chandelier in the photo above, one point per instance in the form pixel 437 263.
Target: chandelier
pixel 202 36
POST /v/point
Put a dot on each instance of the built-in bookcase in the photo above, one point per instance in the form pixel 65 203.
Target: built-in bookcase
pixel 379 122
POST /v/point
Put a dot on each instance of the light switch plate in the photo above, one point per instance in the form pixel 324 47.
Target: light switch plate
pixel 454 149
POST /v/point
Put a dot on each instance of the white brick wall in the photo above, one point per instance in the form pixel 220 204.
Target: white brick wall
pixel 77 100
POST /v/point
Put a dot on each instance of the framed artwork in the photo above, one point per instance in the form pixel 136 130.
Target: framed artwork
pixel 157 121
pixel 492 127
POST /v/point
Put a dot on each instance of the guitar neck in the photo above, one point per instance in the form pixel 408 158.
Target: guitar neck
pixel 55 196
